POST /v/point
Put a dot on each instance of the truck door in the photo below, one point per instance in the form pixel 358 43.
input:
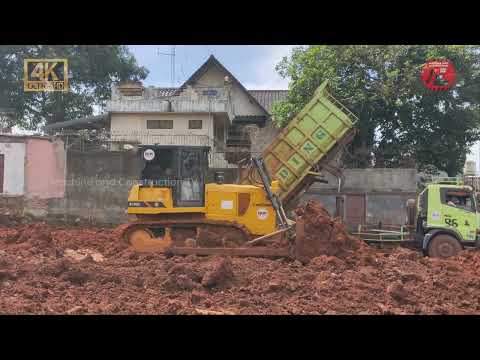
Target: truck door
pixel 459 212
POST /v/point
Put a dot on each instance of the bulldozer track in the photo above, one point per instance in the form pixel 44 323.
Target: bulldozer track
pixel 202 247
pixel 208 226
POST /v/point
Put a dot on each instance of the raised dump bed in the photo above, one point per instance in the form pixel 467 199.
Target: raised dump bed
pixel 311 140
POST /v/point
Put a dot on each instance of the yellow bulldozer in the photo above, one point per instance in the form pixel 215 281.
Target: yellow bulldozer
pixel 177 212
pixel 221 219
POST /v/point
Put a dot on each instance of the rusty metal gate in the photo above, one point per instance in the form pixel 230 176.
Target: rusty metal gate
pixel 355 210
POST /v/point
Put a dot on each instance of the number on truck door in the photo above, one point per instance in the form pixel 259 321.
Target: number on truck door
pixel 451 222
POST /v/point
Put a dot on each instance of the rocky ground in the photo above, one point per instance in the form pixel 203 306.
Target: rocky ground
pixel 46 269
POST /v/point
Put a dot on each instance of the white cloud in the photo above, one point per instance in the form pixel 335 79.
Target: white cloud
pixel 266 75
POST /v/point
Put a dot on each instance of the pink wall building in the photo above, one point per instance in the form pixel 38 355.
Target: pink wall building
pixel 32 171
pixel 44 168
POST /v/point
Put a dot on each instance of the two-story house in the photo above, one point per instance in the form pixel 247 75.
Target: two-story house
pixel 212 108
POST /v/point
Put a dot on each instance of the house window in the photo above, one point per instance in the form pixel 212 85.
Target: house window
pixel 159 124
pixel 194 124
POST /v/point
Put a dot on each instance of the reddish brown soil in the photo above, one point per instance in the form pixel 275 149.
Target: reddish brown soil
pixel 36 277
pixel 320 234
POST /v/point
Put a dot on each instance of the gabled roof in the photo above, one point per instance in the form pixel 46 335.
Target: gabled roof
pixel 212 61
pixel 268 97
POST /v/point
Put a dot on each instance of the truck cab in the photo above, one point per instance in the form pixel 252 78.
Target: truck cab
pixel 448 218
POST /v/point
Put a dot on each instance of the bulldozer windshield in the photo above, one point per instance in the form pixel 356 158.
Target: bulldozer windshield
pixel 160 168
pixel 182 168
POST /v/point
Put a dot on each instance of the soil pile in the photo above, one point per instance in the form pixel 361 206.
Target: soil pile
pixel 320 234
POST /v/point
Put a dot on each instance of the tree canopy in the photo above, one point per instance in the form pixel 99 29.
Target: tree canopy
pixel 92 70
pixel 400 120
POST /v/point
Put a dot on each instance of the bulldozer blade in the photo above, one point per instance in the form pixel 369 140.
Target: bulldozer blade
pixel 260 251
pixel 278 235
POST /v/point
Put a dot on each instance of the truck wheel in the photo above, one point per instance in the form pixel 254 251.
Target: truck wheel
pixel 443 246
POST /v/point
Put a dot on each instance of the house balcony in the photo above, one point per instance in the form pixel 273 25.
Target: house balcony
pixel 182 105
pixel 146 137
pixel 237 137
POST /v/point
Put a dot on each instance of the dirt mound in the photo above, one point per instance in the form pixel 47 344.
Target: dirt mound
pixel 220 273
pixel 214 273
pixel 60 276
pixel 183 277
pixel 320 234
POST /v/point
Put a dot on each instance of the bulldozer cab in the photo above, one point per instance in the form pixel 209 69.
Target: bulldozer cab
pixel 181 168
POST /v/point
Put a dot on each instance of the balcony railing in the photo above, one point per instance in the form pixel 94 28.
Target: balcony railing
pixel 180 105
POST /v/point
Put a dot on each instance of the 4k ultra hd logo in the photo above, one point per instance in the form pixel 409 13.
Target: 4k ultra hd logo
pixel 45 75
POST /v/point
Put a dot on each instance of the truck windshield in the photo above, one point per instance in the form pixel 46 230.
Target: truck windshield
pixel 458 198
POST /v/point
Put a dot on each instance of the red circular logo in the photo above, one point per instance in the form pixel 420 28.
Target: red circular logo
pixel 438 75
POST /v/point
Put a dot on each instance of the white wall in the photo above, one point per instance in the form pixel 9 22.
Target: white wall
pixel 134 127
pixel 14 168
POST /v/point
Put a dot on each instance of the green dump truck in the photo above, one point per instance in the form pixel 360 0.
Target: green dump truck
pixel 307 145
pixel 447 218
pixel 442 221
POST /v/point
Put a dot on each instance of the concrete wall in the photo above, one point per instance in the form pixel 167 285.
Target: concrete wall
pixel 11 206
pixel 387 208
pixel 385 193
pixel 97 186
pixel 14 166
pixel 373 180
pixel 329 201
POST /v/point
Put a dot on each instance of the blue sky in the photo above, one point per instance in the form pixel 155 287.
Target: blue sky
pixel 252 65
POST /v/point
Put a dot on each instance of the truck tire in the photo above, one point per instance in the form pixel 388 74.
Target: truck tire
pixel 444 246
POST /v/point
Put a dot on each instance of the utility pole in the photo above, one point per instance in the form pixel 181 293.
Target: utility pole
pixel 172 63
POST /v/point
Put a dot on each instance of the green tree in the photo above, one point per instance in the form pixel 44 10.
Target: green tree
pixel 92 70
pixel 400 120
